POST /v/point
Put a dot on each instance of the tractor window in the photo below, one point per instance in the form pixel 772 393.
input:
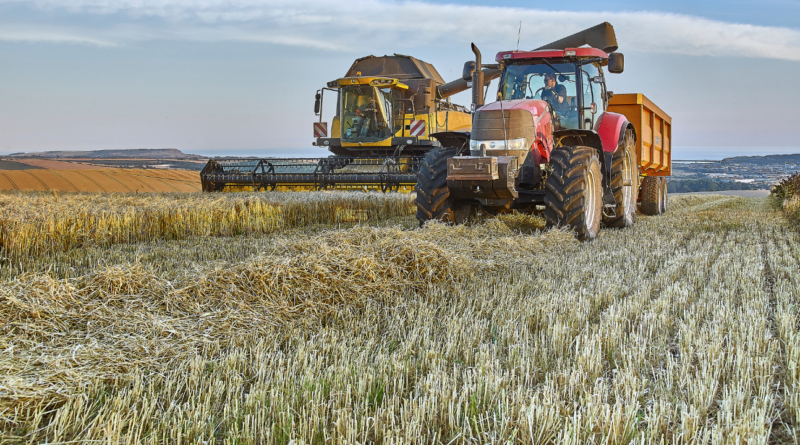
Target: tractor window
pixel 592 90
pixel 366 113
pixel 540 81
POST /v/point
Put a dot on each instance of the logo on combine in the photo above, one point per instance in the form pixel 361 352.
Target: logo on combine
pixel 320 129
pixel 417 128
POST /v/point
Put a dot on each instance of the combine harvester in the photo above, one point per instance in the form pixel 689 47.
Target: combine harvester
pixel 387 110
pixel 555 140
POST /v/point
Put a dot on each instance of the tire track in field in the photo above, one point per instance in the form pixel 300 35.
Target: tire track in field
pixel 65 179
pixel 37 179
pixel 115 180
pixel 9 180
pixel 92 181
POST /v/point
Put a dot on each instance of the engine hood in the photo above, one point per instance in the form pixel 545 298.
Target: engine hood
pixel 536 107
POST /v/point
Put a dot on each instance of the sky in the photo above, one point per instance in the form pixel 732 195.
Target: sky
pixel 228 76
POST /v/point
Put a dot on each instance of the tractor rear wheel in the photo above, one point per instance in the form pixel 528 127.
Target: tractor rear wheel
pixel 433 197
pixel 624 183
pixel 653 195
pixel 573 191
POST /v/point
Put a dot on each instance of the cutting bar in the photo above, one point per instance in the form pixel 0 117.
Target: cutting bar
pixel 386 174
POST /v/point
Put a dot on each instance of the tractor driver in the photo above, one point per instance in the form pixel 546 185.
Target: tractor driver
pixel 555 94
pixel 369 112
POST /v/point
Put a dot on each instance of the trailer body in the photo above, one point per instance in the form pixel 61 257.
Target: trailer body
pixel 653 130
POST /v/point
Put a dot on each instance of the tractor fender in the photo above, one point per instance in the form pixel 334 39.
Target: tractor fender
pixel 455 139
pixel 611 129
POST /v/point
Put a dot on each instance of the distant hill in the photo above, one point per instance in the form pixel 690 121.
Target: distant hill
pixel 764 160
pixel 134 153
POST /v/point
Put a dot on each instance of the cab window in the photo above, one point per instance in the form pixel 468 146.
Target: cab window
pixel 591 93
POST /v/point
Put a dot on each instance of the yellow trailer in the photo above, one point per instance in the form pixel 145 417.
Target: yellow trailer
pixel 653 130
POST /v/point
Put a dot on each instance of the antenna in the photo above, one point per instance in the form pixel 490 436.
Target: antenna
pixel 518 34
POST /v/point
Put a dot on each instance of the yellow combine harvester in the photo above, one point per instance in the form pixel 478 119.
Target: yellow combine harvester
pixel 388 111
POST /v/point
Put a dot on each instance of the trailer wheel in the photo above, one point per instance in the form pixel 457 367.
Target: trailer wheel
pixel 573 191
pixel 433 197
pixel 624 183
pixel 653 195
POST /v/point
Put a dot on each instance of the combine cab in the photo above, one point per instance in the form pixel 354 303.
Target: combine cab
pixel 387 111
pixel 555 140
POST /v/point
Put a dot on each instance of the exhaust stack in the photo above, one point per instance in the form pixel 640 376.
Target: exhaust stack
pixel 601 37
pixel 477 80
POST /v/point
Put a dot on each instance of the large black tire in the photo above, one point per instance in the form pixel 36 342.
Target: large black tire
pixel 574 191
pixel 653 195
pixel 624 183
pixel 433 197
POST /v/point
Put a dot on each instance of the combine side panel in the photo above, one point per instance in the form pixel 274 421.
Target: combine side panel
pixel 389 174
pixel 653 132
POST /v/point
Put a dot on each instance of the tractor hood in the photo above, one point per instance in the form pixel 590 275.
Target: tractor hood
pixel 511 120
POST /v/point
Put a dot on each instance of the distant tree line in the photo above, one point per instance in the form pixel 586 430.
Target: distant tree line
pixel 707 185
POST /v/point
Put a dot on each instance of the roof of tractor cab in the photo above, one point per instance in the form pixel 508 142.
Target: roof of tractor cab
pixel 397 66
pixel 550 54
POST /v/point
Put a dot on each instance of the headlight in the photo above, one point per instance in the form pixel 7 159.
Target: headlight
pixel 513 144
pixel 518 144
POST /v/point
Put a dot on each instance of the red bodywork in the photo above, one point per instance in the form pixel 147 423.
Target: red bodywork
pixel 542 122
pixel 611 129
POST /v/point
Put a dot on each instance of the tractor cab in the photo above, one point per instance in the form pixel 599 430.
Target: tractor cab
pixel 570 81
pixel 371 109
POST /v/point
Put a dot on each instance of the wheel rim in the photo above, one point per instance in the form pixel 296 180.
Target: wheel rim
pixel 664 197
pixel 591 199
pixel 627 178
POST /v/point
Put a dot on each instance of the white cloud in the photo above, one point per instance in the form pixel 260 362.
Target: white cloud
pixel 407 24
pixel 36 34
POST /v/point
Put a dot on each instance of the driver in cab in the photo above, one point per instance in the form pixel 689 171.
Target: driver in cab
pixel 368 111
pixel 555 94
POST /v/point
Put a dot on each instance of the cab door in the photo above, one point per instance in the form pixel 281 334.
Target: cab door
pixel 592 97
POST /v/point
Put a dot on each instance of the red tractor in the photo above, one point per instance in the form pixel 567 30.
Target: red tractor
pixel 550 141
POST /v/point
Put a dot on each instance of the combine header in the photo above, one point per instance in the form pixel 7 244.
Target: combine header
pixel 387 111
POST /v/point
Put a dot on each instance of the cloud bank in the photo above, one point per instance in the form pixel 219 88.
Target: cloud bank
pixel 364 25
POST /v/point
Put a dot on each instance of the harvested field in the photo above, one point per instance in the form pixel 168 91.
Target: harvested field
pixel 114 180
pixel 55 165
pixel 682 329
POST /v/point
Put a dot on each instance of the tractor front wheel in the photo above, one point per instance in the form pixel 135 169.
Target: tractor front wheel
pixel 624 183
pixel 573 191
pixel 433 197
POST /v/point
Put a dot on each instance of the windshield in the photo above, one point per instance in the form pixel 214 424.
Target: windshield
pixel 540 81
pixel 367 113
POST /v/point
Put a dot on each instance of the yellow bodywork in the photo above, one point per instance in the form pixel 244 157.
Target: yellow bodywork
pixel 437 121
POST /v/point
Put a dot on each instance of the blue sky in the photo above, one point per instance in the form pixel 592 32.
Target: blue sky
pixel 241 74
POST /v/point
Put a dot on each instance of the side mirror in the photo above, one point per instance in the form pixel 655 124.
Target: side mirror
pixel 616 63
pixel 469 68
pixel 317 103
